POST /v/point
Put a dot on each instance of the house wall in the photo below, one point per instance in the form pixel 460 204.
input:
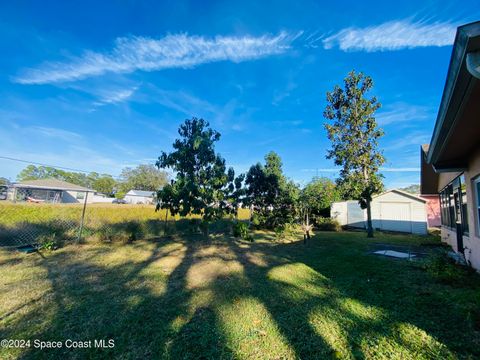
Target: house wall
pixel 70 197
pixel 471 242
pixel 134 199
pixel 100 199
pixel 433 210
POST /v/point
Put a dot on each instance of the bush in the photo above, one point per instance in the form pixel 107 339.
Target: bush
pixel 241 230
pixel 285 231
pixel 133 230
pixel 443 268
pixel 48 242
pixel 106 233
pixel 327 224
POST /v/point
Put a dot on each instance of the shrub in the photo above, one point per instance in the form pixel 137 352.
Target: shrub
pixel 106 233
pixel 48 242
pixel 240 229
pixel 444 268
pixel 327 224
pixel 285 231
pixel 133 230
pixel 257 220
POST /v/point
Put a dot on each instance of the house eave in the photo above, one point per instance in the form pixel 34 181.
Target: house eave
pixel 462 80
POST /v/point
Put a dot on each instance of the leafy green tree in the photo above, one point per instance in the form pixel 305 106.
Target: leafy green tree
pixel 4 181
pixel 412 189
pixel 354 134
pixel 104 184
pixel 318 195
pixel 202 184
pixel 32 172
pixel 269 194
pixel 142 177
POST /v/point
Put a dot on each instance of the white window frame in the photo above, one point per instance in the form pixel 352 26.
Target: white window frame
pixel 476 184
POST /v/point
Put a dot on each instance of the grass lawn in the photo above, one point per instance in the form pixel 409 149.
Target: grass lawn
pixel 233 299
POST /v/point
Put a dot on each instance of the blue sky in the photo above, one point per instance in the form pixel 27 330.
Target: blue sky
pixel 99 86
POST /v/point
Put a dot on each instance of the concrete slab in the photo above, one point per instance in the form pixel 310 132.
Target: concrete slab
pixel 395 254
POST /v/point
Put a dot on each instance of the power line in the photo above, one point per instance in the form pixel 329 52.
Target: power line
pixel 42 164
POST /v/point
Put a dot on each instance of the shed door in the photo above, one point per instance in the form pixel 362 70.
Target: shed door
pixel 395 216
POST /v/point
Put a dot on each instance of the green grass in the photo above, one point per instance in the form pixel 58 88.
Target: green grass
pixel 189 298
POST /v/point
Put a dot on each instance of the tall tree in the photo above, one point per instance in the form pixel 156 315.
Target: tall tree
pixel 271 196
pixel 142 177
pixel 201 183
pixel 354 134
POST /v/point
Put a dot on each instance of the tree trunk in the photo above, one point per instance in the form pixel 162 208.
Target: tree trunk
pixel 166 223
pixel 369 220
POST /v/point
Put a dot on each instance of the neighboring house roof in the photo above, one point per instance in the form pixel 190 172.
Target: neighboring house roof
pixel 140 193
pixel 403 193
pixel 457 128
pixel 51 184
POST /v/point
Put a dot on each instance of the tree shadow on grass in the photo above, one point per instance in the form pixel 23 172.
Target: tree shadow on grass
pixel 410 304
pixel 159 306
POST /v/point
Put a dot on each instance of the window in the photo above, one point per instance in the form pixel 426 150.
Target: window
pixel 463 204
pixel 477 191
pixel 453 204
pixel 80 195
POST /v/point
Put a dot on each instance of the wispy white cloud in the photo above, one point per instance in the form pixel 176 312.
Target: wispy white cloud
pixel 400 169
pixel 413 140
pixel 392 35
pixel 55 133
pixel 383 169
pixel 402 112
pixel 332 170
pixel 143 53
pixel 115 96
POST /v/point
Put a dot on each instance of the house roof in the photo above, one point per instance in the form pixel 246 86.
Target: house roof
pixel 51 184
pixel 403 193
pixel 457 128
pixel 140 193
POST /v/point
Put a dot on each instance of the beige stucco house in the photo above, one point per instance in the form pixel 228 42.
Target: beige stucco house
pixel 451 162
pixel 50 191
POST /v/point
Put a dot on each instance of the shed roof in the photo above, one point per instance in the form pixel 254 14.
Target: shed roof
pixel 140 193
pixel 403 193
pixel 51 184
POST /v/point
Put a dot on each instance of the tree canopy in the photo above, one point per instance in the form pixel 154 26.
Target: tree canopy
pixel 268 192
pixel 103 183
pixel 412 189
pixel 202 184
pixel 318 196
pixel 143 177
pixel 354 135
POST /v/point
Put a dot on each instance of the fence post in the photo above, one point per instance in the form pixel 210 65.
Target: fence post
pixel 83 218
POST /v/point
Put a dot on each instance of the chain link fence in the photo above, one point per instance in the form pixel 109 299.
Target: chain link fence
pixel 32 217
pixel 33 222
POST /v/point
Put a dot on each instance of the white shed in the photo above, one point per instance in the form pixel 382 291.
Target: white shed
pixel 139 197
pixel 393 210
